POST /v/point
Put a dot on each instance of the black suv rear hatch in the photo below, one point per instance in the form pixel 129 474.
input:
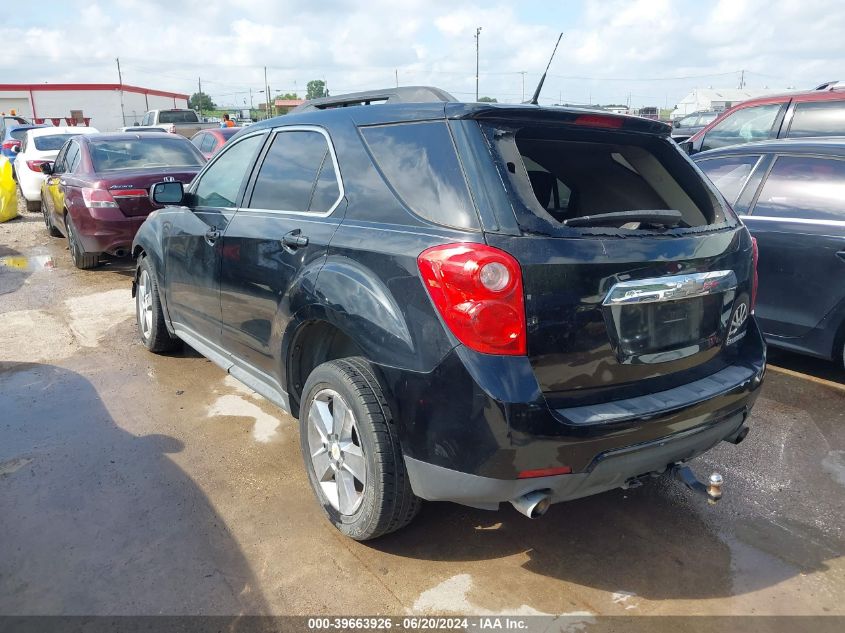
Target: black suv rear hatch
pixel 632 264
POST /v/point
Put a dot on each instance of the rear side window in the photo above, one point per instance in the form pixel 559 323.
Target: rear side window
pixel 818 118
pixel 754 123
pixel 730 173
pixel 420 163
pixel 208 143
pixel 804 187
pixel 297 174
pixel 74 157
pixel 51 143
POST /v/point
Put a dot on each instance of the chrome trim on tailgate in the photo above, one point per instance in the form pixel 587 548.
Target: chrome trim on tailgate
pixel 657 289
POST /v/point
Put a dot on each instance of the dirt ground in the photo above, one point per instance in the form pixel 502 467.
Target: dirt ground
pixel 140 484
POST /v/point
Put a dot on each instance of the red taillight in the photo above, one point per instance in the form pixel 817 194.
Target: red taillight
pixel 9 145
pixel 754 257
pixel 598 120
pixel 35 165
pixel 478 291
pixel 544 472
pixel 129 193
pixel 97 198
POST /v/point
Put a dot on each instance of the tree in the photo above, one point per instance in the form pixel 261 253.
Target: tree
pixel 316 88
pixel 288 96
pixel 201 101
pixel 487 100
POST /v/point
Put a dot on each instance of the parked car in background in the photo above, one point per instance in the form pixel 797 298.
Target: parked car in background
pixel 686 126
pixel 97 190
pixel 12 136
pixel 176 121
pixel 39 146
pixel 209 142
pixel 471 302
pixel 791 195
pixel 815 113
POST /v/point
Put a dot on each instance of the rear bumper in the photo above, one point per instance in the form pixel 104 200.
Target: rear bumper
pixel 470 442
pixel 110 233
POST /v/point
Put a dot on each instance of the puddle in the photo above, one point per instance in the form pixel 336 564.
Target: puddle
pixel 242 405
pixel 29 263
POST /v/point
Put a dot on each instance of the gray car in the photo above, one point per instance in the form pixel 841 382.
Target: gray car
pixel 686 126
pixel 791 195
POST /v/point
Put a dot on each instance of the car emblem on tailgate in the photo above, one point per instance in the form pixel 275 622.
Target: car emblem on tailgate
pixel 739 318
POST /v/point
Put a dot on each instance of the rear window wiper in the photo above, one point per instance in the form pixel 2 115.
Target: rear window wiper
pixel 656 217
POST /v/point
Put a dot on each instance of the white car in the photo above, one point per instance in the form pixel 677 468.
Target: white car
pixel 40 145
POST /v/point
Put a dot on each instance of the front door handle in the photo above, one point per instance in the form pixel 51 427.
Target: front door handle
pixel 841 255
pixel 211 236
pixel 63 182
pixel 294 240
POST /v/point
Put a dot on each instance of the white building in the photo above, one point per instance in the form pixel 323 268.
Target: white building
pixel 106 107
pixel 717 99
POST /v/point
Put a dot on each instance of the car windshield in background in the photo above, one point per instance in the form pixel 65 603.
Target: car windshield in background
pixel 50 143
pixel 178 116
pixel 144 153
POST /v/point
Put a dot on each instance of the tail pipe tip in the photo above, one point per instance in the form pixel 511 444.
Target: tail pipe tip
pixel 533 504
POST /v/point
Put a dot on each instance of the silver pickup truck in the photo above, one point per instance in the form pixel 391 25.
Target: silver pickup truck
pixel 177 121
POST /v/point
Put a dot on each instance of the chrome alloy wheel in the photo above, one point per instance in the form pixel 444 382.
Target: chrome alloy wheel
pixel 336 452
pixel 144 303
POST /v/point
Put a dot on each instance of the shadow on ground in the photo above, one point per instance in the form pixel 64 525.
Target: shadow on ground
pixel 98 521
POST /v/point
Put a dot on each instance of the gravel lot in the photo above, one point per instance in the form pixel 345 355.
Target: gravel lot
pixel 137 484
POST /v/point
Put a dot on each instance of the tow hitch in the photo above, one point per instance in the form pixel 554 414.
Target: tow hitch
pixel 712 490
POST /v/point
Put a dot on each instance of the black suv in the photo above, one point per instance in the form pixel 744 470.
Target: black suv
pixel 459 301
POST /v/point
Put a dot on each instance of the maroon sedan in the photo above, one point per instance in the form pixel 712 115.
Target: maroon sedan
pixel 210 141
pixel 97 190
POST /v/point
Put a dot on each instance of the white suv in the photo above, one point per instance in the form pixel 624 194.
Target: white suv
pixel 40 145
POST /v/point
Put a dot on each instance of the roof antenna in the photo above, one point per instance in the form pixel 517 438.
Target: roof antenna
pixel 536 96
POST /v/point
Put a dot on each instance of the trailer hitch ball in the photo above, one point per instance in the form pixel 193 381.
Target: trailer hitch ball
pixel 714 488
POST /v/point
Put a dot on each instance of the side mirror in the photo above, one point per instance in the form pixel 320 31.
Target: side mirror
pixel 167 193
pixel 677 123
pixel 46 168
pixel 686 146
pixel 16 149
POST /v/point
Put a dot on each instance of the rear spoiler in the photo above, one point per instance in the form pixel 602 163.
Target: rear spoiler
pixel 586 117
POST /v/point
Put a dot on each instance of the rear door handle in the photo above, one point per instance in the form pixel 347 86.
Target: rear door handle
pixel 211 236
pixel 294 240
pixel 841 255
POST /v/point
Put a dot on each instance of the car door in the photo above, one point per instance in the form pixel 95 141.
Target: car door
pixel 798 219
pixel 276 242
pixel 55 199
pixel 193 245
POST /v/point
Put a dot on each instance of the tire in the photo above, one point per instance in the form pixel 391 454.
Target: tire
pixel 81 259
pixel 52 230
pixel 32 206
pixel 148 313
pixel 380 502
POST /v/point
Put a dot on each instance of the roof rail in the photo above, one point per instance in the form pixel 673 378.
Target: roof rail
pixel 829 85
pixel 405 94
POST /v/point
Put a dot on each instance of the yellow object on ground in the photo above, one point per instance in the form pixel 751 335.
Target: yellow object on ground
pixel 8 195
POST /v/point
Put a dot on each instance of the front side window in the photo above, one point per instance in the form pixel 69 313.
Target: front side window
pixel 804 187
pixel 220 184
pixel 297 174
pixel 59 165
pixel 754 123
pixel 818 118
pixel 730 173
pixel 420 162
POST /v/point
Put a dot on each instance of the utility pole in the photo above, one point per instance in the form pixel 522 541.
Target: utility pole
pixel 477 36
pixel 396 70
pixel 120 79
pixel 742 80
pixel 266 95
pixel 523 85
pixel 199 97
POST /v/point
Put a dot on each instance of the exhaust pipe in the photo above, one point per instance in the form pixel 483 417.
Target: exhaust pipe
pixel 737 437
pixel 534 504
pixel 121 252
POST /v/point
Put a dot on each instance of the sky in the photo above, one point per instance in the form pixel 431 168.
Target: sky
pixel 640 52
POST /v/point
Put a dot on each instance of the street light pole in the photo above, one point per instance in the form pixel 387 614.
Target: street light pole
pixel 477 34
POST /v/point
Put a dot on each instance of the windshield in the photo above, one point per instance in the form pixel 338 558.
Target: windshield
pixel 177 116
pixel 143 153
pixel 50 143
